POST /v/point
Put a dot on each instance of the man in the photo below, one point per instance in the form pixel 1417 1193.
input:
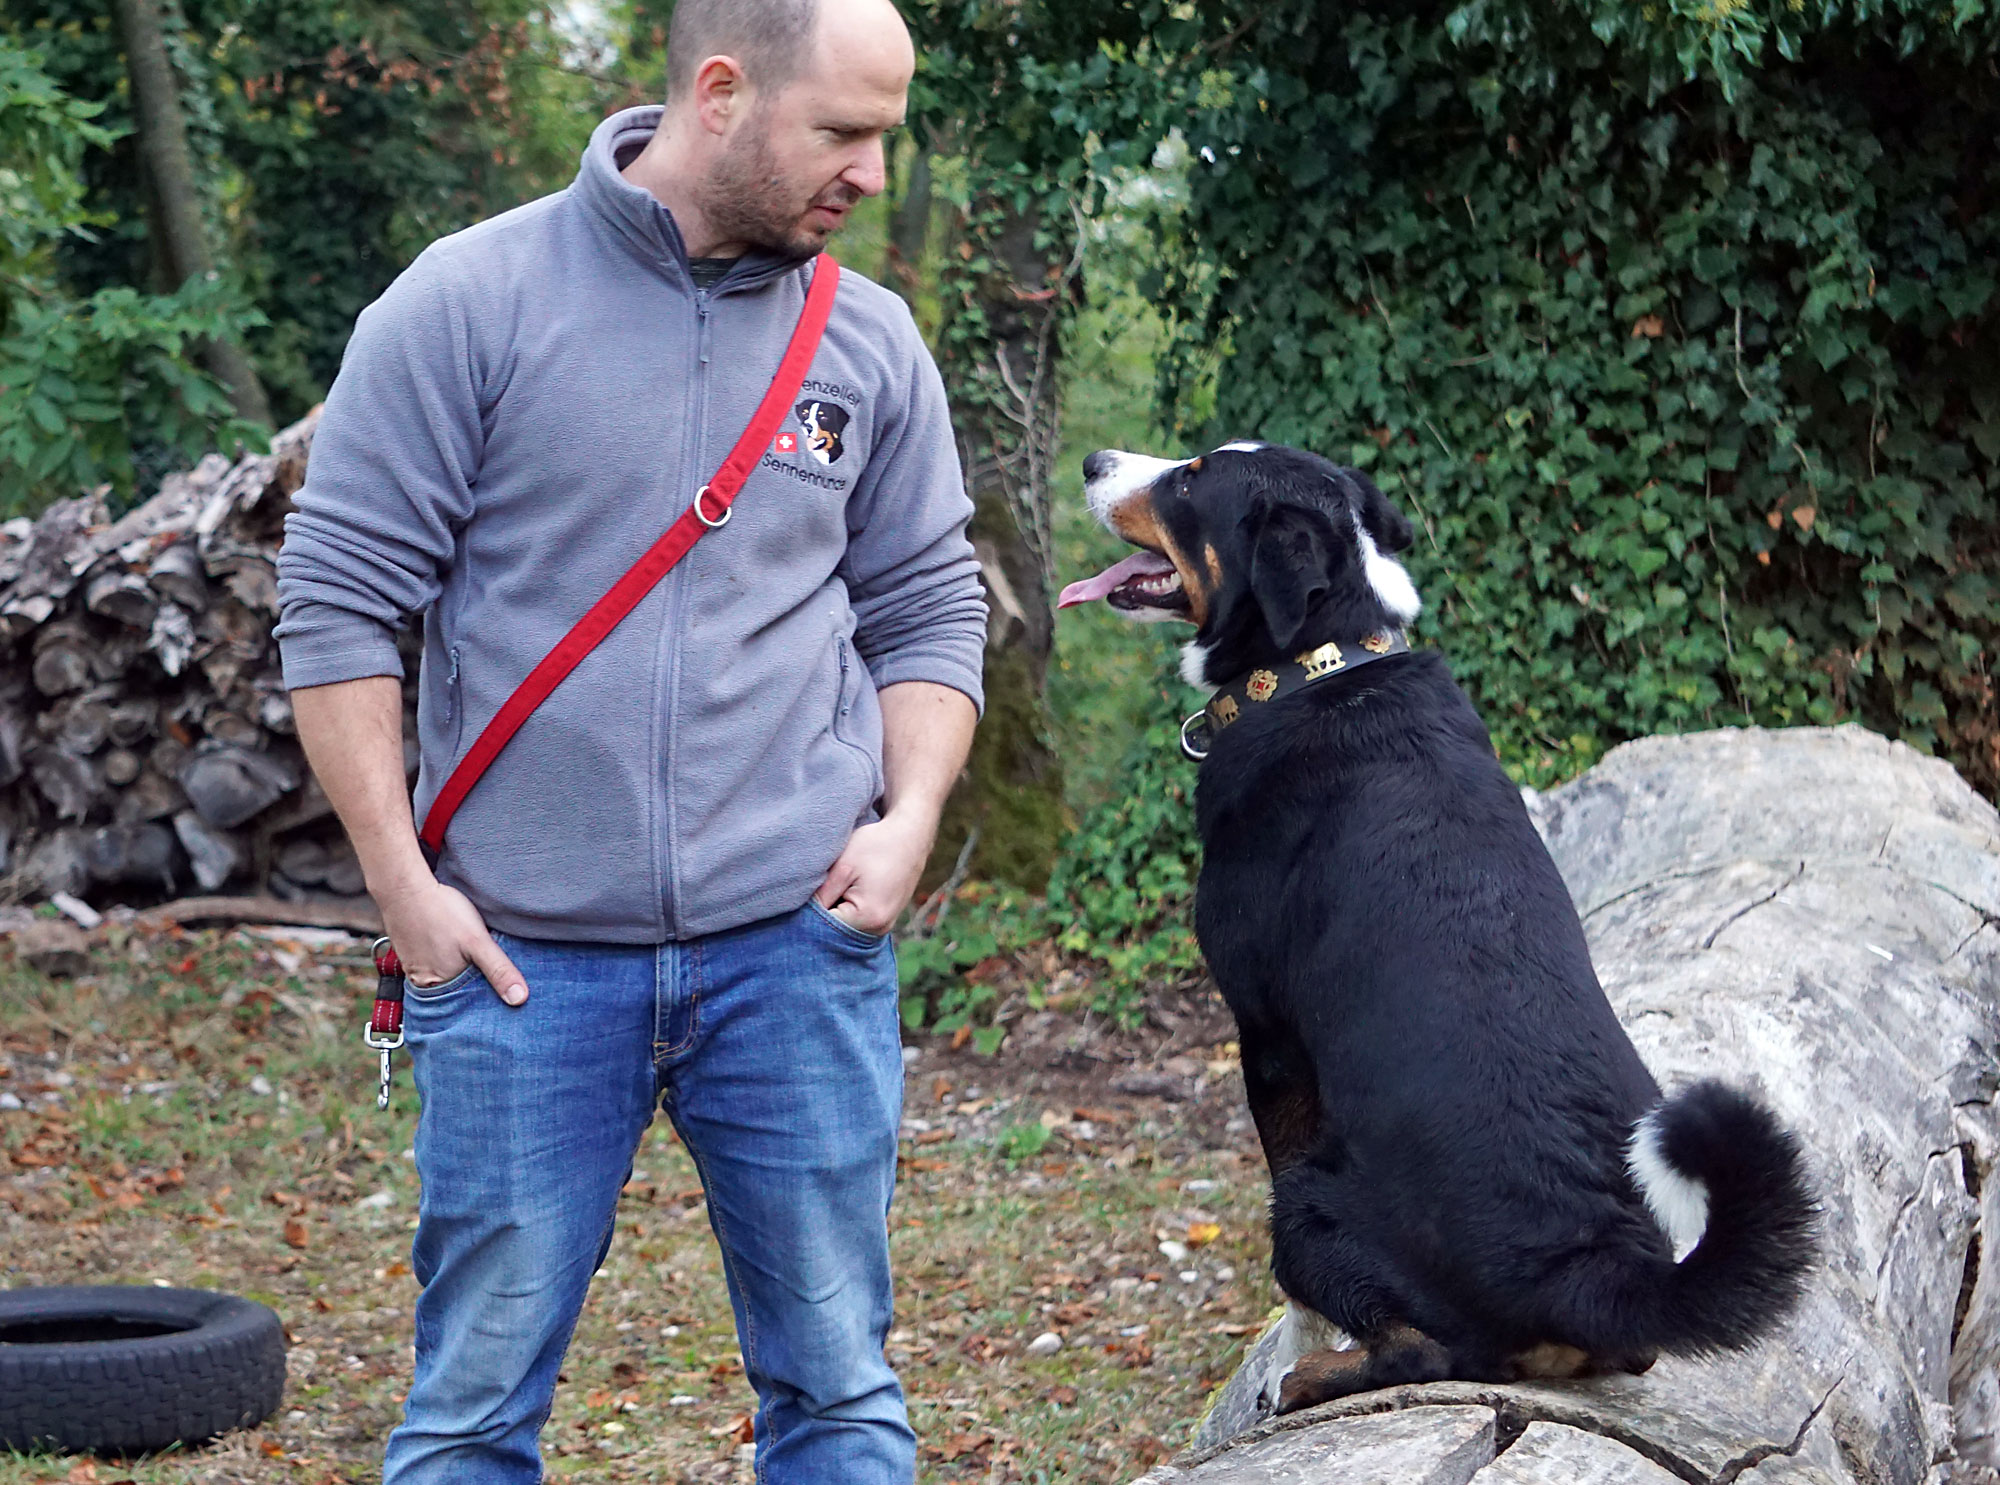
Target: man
pixel 673 886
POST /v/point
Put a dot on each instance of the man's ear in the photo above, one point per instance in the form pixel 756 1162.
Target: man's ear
pixel 1288 568
pixel 1386 526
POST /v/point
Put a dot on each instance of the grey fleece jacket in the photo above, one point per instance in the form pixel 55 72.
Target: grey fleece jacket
pixel 517 418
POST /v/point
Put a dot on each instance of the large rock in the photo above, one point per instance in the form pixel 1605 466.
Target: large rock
pixel 1814 915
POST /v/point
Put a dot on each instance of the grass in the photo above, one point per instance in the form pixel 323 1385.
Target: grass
pixel 198 1111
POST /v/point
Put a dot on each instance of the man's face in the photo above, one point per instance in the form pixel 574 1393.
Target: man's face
pixel 798 161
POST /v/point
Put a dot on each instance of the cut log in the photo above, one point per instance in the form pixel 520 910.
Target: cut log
pixel 1814 916
pixel 172 638
pixel 66 781
pixel 62 660
pixel 216 854
pixel 356 917
pixel 134 720
pixel 143 855
pixel 226 726
pixel 303 861
pixel 141 653
pixel 229 784
pixel 123 596
pixel 14 742
pixel 177 574
pixel 56 864
pixel 81 725
pixel 152 796
pixel 121 767
pixel 343 870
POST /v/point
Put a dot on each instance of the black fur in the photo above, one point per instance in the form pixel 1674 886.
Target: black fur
pixel 1444 1096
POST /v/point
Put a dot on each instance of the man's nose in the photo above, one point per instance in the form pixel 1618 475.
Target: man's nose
pixel 869 172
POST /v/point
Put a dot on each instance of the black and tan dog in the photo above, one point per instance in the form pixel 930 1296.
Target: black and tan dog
pixel 1473 1174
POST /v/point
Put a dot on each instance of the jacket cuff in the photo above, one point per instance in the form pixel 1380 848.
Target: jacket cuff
pixel 333 645
pixel 938 669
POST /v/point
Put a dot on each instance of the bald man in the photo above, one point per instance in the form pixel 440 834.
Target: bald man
pixel 673 888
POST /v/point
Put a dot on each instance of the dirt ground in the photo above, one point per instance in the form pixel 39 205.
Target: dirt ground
pixel 195 1109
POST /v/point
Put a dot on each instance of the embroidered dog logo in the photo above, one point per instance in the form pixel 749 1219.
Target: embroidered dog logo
pixel 823 422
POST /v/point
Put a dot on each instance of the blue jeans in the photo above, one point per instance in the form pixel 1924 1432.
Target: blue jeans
pixel 774 1049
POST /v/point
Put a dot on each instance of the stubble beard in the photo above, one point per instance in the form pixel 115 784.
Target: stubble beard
pixel 746 199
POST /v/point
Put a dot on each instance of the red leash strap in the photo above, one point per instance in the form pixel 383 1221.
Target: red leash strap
pixel 709 511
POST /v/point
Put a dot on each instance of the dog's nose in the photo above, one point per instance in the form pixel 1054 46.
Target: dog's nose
pixel 1098 465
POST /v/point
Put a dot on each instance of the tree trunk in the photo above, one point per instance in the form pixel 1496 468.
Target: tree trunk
pixel 163 149
pixel 910 227
pixel 1809 915
pixel 1000 359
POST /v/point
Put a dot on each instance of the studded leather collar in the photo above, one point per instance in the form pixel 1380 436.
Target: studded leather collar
pixel 1268 682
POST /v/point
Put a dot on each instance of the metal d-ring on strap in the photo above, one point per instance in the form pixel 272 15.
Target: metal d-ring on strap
pixel 1196 746
pixel 702 516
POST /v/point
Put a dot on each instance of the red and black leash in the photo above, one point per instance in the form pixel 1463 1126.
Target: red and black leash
pixel 708 512
pixel 385 1023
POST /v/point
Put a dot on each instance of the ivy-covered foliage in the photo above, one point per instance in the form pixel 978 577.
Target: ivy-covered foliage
pixel 85 379
pixel 1673 325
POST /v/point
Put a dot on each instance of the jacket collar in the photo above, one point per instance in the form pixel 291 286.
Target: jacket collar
pixel 636 216
pixel 1266 683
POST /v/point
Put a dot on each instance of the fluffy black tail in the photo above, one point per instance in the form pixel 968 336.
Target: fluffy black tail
pixel 1716 1168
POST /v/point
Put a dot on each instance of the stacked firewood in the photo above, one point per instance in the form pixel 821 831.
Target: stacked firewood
pixel 146 742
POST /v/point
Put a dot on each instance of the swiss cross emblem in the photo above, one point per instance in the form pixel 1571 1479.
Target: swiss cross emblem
pixel 785 443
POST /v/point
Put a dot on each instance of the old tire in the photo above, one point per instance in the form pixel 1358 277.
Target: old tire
pixel 123 1369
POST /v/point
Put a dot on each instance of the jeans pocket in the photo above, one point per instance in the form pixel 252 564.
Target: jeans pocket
pixel 424 994
pixel 840 925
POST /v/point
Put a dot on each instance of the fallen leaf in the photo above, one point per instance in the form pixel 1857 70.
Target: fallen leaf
pixel 1774 519
pixel 961 1444
pixel 1062 1396
pixel 1763 559
pixel 272 1449
pixel 1100 1116
pixel 940 1086
pixel 1200 1234
pixel 83 1472
pixel 295 1233
pixel 1805 515
pixel 960 1037
pixel 1651 327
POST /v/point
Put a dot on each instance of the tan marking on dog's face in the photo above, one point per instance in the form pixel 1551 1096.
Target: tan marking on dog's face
pixel 1135 519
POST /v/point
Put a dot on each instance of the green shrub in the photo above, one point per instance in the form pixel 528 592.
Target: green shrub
pixel 85 382
pixel 1673 326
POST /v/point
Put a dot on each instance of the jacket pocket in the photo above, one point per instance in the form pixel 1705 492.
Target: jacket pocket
pixel 853 677
pixel 454 702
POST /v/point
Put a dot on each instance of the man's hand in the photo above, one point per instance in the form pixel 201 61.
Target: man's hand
pixel 870 885
pixel 353 737
pixel 438 932
pixel 926 731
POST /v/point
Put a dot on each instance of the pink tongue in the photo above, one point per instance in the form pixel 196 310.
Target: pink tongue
pixel 1139 564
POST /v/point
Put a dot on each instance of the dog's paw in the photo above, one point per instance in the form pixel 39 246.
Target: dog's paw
pixel 1321 1376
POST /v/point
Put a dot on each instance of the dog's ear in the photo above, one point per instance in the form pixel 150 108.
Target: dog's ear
pixel 1386 526
pixel 1288 567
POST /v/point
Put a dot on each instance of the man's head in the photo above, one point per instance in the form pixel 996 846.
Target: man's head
pixel 781 106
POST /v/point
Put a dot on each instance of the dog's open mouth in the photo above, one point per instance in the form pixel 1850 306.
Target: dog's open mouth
pixel 1143 580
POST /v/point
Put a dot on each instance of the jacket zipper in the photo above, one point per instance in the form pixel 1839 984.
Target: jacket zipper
pixel 676 922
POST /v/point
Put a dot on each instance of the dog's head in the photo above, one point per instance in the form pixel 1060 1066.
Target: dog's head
pixel 1266 550
pixel 823 422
